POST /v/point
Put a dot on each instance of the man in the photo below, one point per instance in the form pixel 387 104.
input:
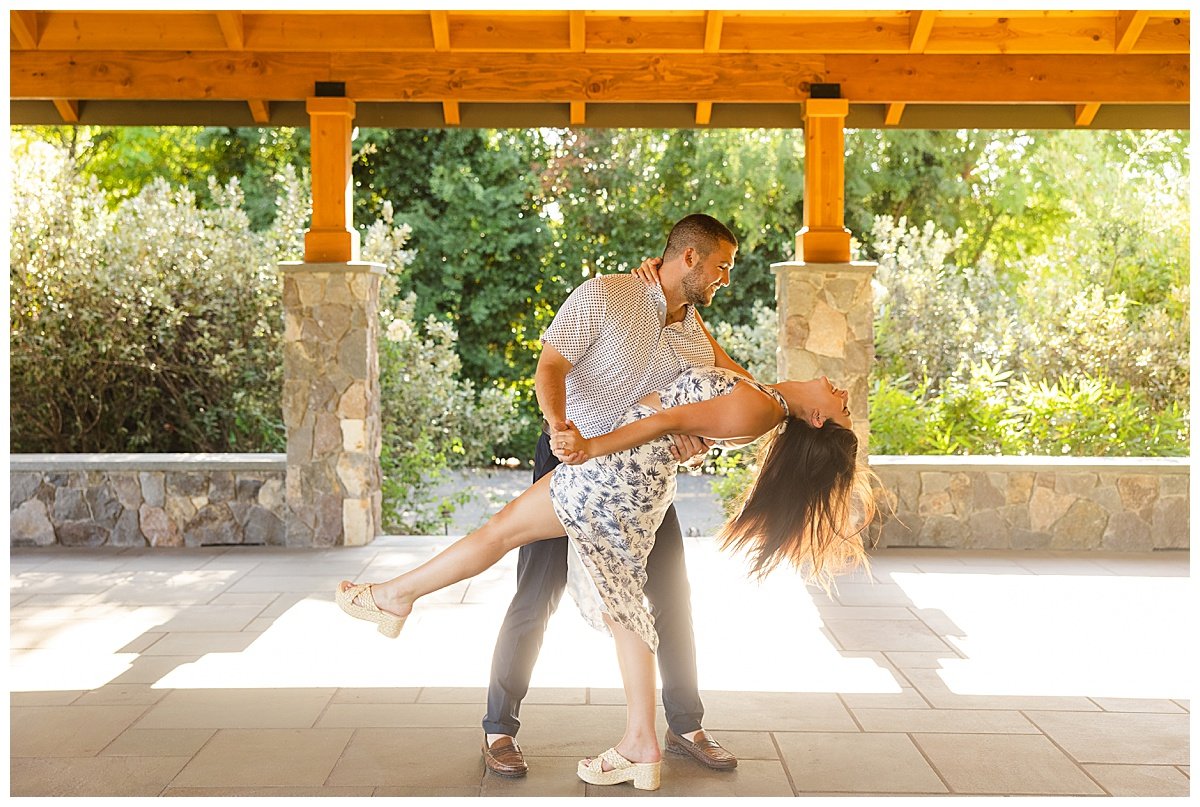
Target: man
pixel 613 341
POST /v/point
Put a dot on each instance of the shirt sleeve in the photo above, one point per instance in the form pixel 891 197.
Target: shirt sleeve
pixel 578 324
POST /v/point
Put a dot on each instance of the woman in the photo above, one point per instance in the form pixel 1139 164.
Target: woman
pixel 610 495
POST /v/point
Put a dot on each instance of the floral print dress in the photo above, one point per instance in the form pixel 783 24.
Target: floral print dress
pixel 612 506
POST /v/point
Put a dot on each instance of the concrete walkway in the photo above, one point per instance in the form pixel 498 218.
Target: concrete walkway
pixel 229 671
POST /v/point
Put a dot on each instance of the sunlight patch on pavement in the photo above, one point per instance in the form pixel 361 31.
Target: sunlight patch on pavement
pixel 1109 636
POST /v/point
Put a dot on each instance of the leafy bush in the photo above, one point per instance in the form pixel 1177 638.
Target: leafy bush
pixel 986 411
pixel 432 419
pixel 152 326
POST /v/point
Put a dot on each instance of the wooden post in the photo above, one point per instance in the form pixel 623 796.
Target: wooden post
pixel 824 238
pixel 332 237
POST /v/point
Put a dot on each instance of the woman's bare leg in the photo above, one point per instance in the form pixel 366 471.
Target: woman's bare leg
pixel 640 743
pixel 529 517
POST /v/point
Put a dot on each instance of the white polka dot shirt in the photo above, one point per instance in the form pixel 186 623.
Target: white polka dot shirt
pixel 613 330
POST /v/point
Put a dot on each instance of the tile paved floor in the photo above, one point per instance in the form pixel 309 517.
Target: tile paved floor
pixel 228 671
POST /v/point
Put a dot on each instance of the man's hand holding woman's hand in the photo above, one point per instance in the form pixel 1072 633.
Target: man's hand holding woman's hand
pixel 571 447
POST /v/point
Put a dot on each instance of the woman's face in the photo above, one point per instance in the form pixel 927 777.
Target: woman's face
pixel 817 401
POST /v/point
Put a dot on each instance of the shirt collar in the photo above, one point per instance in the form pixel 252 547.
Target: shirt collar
pixel 688 323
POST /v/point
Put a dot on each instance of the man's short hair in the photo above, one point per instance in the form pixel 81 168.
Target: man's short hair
pixel 700 231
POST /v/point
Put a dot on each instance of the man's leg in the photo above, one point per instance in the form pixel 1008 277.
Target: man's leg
pixel 670 597
pixel 541 580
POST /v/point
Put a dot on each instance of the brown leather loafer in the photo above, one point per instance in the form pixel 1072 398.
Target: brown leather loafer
pixel 504 757
pixel 707 751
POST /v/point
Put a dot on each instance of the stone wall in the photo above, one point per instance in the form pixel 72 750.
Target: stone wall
pixel 1069 503
pixel 144 500
pixel 964 502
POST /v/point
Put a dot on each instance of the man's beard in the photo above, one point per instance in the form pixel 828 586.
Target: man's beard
pixel 693 291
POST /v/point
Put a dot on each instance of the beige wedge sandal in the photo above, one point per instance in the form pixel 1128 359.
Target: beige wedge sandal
pixel 389 624
pixel 644 775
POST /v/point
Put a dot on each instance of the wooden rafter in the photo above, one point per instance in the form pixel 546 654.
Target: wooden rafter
pixel 451 114
pixel 68 108
pixel 1085 114
pixel 260 110
pixel 920 25
pixel 703 113
pixel 233 28
pixel 26 27
pixel 590 77
pixel 578 113
pixel 578 32
pixel 1130 25
pixel 439 22
pixel 713 22
pixel 892 117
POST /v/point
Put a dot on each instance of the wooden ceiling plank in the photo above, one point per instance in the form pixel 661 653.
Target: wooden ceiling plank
pixel 1130 25
pixel 26 27
pixel 578 32
pixel 658 34
pixel 704 113
pixel 589 77
pixel 1165 35
pixel 578 113
pixel 233 28
pixel 520 33
pixel 713 22
pixel 439 23
pixel 892 116
pixel 260 110
pixel 920 27
pixel 451 113
pixel 1085 114
pixel 68 108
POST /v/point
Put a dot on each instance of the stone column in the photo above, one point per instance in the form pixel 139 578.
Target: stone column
pixel 826 327
pixel 331 402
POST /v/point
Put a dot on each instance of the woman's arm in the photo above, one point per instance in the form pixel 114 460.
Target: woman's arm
pixel 743 414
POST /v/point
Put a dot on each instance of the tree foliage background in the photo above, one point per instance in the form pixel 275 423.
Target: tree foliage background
pixel 1044 272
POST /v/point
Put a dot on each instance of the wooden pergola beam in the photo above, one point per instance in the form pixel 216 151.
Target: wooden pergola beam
pixel 451 113
pixel 1130 25
pixel 260 110
pixel 892 116
pixel 233 28
pixel 578 31
pixel 578 113
pixel 26 27
pixel 439 23
pixel 920 26
pixel 68 108
pixel 1085 114
pixel 532 77
pixel 713 23
pixel 704 113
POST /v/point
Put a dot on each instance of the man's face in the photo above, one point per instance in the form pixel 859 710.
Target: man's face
pixel 708 273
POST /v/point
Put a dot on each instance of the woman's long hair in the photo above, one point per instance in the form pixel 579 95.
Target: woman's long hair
pixel 809 503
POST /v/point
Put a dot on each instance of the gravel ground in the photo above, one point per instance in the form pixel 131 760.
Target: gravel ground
pixel 491 488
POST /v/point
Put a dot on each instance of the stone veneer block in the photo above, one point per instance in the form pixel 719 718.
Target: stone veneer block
pixel 331 403
pixel 826 327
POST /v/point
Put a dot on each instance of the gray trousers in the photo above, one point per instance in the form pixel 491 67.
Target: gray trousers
pixel 541 580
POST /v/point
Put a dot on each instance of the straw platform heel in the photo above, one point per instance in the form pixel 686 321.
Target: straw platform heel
pixel 644 775
pixel 389 624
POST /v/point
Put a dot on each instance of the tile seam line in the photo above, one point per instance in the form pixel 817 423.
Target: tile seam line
pixel 912 739
pixel 787 772
pixel 1064 751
